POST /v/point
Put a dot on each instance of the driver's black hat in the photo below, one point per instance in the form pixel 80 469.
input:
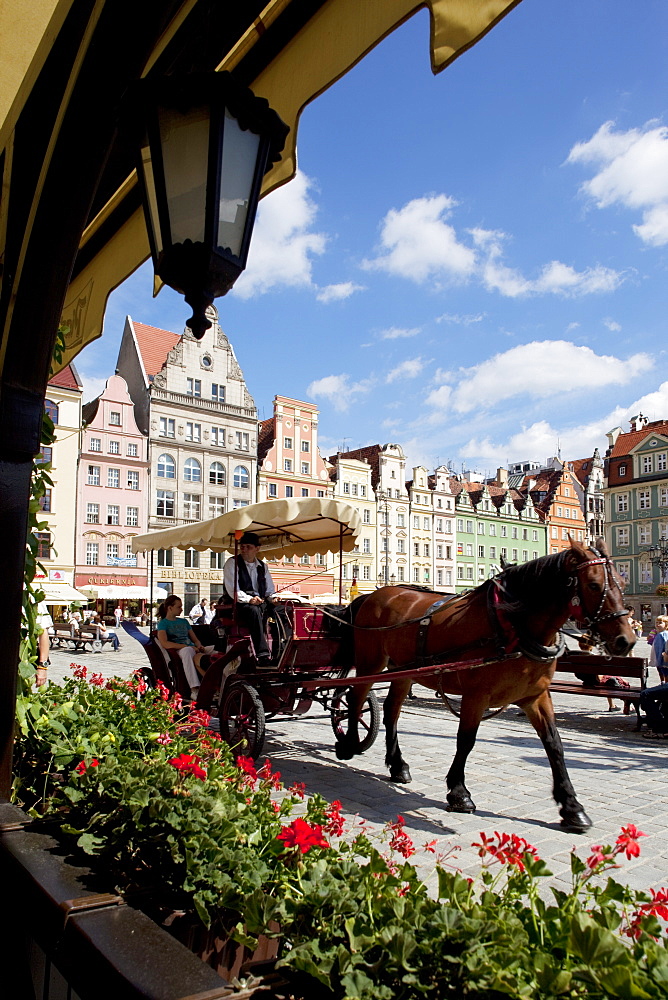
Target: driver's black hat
pixel 249 538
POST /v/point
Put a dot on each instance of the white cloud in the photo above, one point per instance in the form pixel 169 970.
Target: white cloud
pixel 572 326
pixel 410 368
pixel 335 293
pixel 463 320
pixel 338 390
pixel 417 243
pixel 92 386
pixel 612 325
pixel 539 370
pixel 398 332
pixel 633 173
pixel 283 244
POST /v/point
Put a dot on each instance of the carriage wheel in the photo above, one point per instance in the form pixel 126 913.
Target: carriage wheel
pixel 241 717
pixel 368 721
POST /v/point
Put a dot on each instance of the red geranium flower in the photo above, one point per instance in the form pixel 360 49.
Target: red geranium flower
pixel 400 841
pixel 508 849
pixel 335 821
pixel 627 841
pixel 186 763
pixel 302 835
pixel 82 767
pixel 246 765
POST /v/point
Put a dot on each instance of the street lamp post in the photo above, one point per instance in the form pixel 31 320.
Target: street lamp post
pixel 203 145
pixel 382 500
pixel 658 556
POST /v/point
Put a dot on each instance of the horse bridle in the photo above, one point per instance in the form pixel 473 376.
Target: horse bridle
pixel 577 606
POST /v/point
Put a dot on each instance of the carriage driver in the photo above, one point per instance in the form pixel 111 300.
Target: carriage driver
pixel 256 593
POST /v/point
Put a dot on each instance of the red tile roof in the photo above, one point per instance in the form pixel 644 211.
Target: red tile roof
pixel 625 443
pixel 67 378
pixel 370 454
pixel 154 345
pixel 265 438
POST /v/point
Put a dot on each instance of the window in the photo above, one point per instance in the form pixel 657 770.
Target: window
pixel 93 478
pixel 504 552
pixel 165 557
pixel 385 545
pixel 481 572
pixel 534 535
pixel 273 490
pixel 287 444
pixel 320 493
pixel 306 471
pixel 366 545
pixel 133 450
pixel 481 552
pixel 416 548
pixel 132 516
pixel 51 410
pixel 661 461
pixel 218 392
pixel 306 446
pixel 346 487
pixel 113 513
pixel 366 516
pixel 242 441
pixel 216 506
pixel 401 521
pixel 622 470
pixel 384 517
pixel 514 532
pixel 289 491
pixel 504 531
pixel 525 534
pixel 115 418
pixel 362 490
pixel 555 532
pixel 644 502
pixel 43 544
pixel 45 501
pixel 645 571
pixel 92 513
pixel 191 506
pixel 129 554
pixel 193 432
pixel 624 570
pixel 114 447
pixel 164 503
pixel 469 549
pixel 425 523
pixel 133 479
pixel 426 576
pixel 305 561
pixel 481 527
pixel 166 467
pixel 218 437
pixel 439 551
pixel 366 572
pixel 96 444
pixel 46 456
pixel 304 492
pixel 193 387
pixel 114 478
pixel 469 526
pixel 287 465
pixel 240 478
pixel 622 536
pixel 514 555
pixel 622 503
pixel 112 553
pixel 416 522
pixel 401 546
pixel 567 491
pixel 646 464
pixel 92 553
pixel 426 551
pixel 564 534
pixel 469 572
pixel 491 529
pixel 192 471
pixel 644 534
pixel 216 560
pixel 416 575
pixel 492 552
pixel 191 560
pixel 217 474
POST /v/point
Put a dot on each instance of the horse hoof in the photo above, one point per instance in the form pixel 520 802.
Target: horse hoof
pixel 344 751
pixel 402 777
pixel 460 803
pixel 576 821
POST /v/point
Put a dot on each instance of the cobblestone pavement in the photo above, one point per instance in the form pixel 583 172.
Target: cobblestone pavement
pixel 619 776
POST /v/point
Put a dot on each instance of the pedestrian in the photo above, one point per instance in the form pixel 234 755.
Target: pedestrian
pixel 658 656
pixel 44 622
pixel 201 613
pixel 118 614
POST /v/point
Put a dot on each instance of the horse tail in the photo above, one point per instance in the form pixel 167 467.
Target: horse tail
pixel 346 653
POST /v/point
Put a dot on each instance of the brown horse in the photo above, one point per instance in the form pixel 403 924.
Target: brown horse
pixel 510 625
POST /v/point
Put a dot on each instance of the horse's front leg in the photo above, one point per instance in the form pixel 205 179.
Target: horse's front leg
pixel 458 797
pixel 540 713
pixel 399 769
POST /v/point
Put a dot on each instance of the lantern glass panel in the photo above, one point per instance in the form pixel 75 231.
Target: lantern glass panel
pixel 185 153
pixel 149 182
pixel 240 149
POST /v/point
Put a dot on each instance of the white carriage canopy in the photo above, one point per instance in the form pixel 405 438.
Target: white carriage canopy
pixel 291 527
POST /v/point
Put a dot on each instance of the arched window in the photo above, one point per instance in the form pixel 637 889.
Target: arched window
pixel 166 467
pixel 241 480
pixel 51 410
pixel 217 474
pixel 192 471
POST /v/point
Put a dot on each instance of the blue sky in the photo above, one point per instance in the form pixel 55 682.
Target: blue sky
pixel 474 265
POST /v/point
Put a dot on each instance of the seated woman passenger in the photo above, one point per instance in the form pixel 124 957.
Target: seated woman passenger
pixel 176 633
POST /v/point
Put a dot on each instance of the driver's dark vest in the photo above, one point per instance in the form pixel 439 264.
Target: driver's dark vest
pixel 244 580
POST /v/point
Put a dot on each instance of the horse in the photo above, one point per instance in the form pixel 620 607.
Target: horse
pixel 508 631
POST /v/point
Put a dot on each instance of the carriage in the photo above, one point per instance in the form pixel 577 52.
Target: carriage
pixel 493 646
pixel 309 664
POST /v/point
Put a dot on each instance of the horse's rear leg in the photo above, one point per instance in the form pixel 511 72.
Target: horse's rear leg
pixel 459 798
pixel 540 713
pixel 399 769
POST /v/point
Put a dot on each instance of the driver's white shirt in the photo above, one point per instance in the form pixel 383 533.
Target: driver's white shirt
pixel 242 596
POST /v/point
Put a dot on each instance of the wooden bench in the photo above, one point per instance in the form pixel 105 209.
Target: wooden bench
pixel 631 668
pixel 63 636
pixel 89 635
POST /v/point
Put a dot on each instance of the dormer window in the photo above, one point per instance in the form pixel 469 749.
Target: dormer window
pixel 622 470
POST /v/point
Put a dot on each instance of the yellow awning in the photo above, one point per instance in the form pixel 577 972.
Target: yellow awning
pixel 332 42
pixel 291 527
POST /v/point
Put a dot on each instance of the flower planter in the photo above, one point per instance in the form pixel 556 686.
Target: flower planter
pixel 217 950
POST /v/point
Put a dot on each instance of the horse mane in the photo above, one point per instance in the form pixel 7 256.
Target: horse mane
pixel 526 587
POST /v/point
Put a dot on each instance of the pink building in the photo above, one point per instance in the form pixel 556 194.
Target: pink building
pixel 112 494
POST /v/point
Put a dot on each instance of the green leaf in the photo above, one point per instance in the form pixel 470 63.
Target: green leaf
pixel 618 982
pixel 90 844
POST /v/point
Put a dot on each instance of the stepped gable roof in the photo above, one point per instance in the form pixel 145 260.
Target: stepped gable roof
pixel 154 345
pixel 625 443
pixel 266 435
pixel 67 378
pixel 370 455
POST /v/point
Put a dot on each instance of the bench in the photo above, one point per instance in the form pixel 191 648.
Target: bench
pixel 63 635
pixel 89 635
pixel 631 668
